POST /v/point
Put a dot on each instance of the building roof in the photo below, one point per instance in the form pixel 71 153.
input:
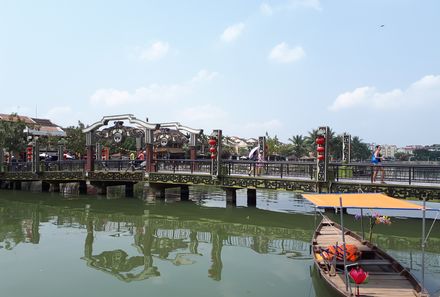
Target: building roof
pixel 35 126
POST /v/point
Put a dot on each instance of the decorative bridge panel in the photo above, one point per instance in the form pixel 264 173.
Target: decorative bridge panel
pixel 397 191
pixel 271 184
pixel 19 176
pixel 115 176
pixel 174 178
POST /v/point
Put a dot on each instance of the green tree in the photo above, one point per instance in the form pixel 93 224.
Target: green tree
pixel 76 139
pixel 359 150
pixel 402 156
pixel 285 149
pixel 12 136
pixel 299 146
pixel 273 145
pixel 425 155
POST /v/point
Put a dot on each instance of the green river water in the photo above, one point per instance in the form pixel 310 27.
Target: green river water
pixel 54 245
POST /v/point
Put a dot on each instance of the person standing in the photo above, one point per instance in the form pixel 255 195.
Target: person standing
pixel 376 160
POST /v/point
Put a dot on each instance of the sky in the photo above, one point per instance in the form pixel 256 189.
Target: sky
pixel 369 68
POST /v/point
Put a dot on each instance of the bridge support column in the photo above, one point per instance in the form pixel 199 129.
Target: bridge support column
pixel 45 186
pixel 231 196
pixel 82 188
pixel 90 144
pixel 129 190
pixel 157 190
pixel 55 187
pixel 17 185
pixel 184 193
pixel 252 197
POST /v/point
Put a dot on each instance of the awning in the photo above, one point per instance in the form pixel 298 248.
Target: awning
pixel 361 200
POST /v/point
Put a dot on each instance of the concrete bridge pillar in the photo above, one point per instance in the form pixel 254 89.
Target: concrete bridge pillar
pixel 82 188
pixel 129 190
pixel 90 148
pixel 17 185
pixel 184 193
pixel 55 187
pixel 157 190
pixel 252 197
pixel 45 186
pixel 231 196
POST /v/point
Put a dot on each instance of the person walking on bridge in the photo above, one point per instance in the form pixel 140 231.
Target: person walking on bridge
pixel 376 160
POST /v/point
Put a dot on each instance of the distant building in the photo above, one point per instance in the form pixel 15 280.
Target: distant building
pixel 388 150
pixel 409 149
pixel 35 126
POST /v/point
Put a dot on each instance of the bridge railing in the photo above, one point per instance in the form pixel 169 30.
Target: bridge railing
pixel 407 174
pixel 303 170
pixel 17 166
pixel 71 165
pixel 183 165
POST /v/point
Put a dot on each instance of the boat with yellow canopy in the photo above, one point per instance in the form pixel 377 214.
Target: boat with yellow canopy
pixel 346 260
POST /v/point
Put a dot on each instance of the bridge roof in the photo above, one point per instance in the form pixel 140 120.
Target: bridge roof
pixel 362 200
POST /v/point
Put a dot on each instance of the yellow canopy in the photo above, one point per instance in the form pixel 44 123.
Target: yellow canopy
pixel 361 200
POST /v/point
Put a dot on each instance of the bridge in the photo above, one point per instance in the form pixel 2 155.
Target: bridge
pixel 98 171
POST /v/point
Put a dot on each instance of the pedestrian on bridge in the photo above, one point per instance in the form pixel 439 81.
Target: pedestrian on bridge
pixel 376 160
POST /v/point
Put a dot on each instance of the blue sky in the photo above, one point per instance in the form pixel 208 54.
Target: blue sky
pixel 247 67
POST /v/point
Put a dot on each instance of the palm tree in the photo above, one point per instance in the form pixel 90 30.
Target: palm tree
pixel 299 145
pixel 359 150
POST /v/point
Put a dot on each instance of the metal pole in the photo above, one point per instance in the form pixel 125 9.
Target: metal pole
pixel 362 223
pixel 423 243
pixel 343 243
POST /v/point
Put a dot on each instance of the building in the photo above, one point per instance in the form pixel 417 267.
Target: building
pixel 35 126
pixel 388 151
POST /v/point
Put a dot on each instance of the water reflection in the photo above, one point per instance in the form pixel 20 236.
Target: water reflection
pixel 136 242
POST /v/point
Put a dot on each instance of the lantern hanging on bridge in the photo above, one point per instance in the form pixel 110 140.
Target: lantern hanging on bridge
pixel 320 149
pixel 213 147
pixel 321 154
pixel 29 153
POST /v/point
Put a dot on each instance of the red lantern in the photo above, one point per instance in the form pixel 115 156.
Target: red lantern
pixel 213 150
pixel 212 141
pixel 213 156
pixel 320 149
pixel 29 153
pixel 321 157
pixel 320 140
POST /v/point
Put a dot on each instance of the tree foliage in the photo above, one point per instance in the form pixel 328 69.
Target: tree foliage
pixel 76 139
pixel 299 146
pixel 12 135
pixel 426 155
pixel 359 150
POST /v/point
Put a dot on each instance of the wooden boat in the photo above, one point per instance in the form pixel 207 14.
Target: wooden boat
pixel 386 276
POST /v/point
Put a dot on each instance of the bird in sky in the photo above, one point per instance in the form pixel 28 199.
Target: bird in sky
pixel 382 26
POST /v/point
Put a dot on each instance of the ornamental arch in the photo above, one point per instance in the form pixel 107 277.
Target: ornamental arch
pixel 116 128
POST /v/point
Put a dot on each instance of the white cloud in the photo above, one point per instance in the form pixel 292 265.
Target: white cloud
pixel 231 33
pixel 313 4
pixel 58 110
pixel 155 51
pixel 264 126
pixel 203 113
pixel 151 94
pixel 204 75
pixel 266 9
pixel 282 53
pixel 62 115
pixel 420 93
